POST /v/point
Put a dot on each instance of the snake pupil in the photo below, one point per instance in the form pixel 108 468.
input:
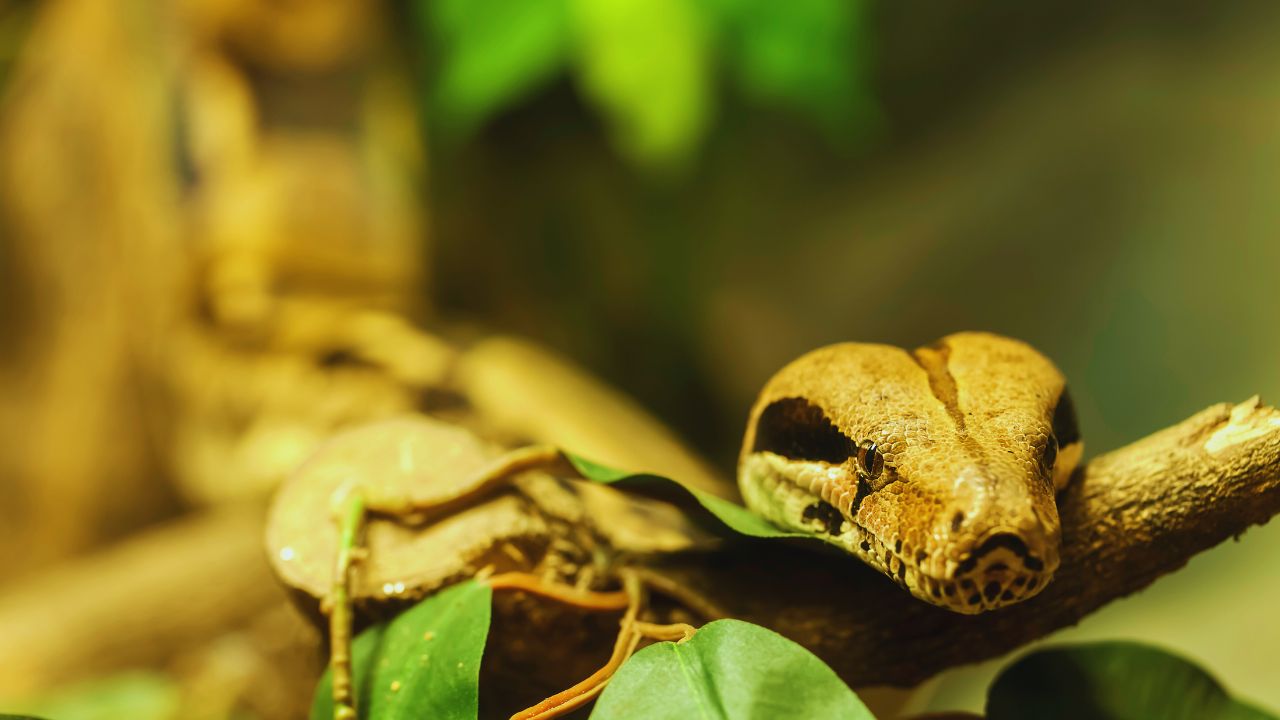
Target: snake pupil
pixel 871 460
pixel 1050 453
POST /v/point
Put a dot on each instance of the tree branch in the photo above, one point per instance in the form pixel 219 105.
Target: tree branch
pixel 1128 517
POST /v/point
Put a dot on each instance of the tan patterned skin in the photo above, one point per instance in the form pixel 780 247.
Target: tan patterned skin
pixel 958 507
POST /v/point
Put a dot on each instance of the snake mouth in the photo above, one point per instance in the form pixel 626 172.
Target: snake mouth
pixel 982 582
pixel 997 573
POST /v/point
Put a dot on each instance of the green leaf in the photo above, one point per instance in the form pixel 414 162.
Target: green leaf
pixel 646 65
pixel 809 54
pixel 1111 681
pixel 492 53
pixel 423 663
pixel 717 513
pixel 728 669
pixel 136 694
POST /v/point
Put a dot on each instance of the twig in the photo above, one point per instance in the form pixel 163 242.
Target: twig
pixel 675 632
pixel 683 594
pixel 624 645
pixel 567 594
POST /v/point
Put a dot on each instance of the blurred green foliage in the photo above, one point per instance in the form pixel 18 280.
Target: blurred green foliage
pixel 645 64
pixel 134 695
pixel 491 54
pixel 810 55
pixel 652 69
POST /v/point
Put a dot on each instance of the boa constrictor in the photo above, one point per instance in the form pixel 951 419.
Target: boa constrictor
pixel 938 467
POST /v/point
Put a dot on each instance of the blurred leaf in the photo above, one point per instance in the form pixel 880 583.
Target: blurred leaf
pixel 423 663
pixel 1111 681
pixel 808 54
pixel 728 669
pixel 135 695
pixel 646 66
pixel 492 53
pixel 710 511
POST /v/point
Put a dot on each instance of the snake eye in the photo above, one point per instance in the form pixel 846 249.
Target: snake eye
pixel 870 460
pixel 1050 455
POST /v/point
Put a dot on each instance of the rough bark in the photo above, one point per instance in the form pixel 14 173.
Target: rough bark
pixel 1128 517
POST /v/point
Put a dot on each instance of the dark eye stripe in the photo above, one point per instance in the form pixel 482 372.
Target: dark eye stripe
pixel 797 429
pixel 1065 427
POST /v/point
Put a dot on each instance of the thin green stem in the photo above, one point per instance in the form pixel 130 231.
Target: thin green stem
pixel 351 521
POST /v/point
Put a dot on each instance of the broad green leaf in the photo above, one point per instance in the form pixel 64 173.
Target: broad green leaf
pixel 807 54
pixel 492 53
pixel 423 663
pixel 137 695
pixel 1111 681
pixel 719 513
pixel 646 65
pixel 728 669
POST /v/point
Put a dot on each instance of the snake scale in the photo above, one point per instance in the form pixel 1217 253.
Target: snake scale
pixel 938 467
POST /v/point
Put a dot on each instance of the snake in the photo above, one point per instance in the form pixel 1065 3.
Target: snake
pixel 939 467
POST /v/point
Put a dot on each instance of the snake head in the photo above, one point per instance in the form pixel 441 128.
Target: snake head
pixel 938 467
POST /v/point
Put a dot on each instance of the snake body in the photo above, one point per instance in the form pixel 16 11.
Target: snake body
pixel 939 466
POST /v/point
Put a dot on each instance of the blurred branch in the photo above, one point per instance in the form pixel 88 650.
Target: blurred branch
pixel 1129 517
pixel 136 603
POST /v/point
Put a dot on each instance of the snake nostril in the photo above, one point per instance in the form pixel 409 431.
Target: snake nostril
pixel 956 521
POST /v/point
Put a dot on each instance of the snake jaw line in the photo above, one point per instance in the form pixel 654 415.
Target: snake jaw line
pixel 930 576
